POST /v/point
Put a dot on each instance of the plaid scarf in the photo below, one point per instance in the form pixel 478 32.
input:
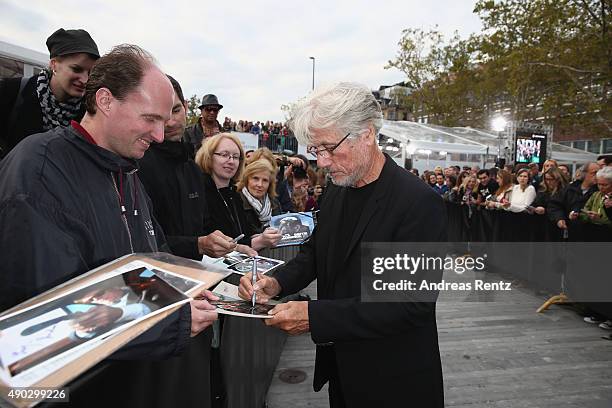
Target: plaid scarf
pixel 54 113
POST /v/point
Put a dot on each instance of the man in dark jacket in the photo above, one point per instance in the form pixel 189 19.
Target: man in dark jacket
pixel 206 126
pixel 564 208
pixel 372 354
pixel 486 185
pixel 175 184
pixel 70 199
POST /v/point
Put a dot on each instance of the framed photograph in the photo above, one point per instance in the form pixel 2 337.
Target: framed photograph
pixel 95 311
pixel 264 265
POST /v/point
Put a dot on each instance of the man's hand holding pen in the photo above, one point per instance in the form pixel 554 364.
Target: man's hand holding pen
pixel 291 317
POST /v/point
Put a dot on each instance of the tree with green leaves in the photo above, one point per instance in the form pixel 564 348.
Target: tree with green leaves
pixel 543 60
pixel 193 110
pixel 557 59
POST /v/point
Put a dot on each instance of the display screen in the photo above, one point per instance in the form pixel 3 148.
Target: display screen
pixel 530 147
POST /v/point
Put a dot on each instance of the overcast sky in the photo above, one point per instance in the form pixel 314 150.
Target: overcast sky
pixel 252 54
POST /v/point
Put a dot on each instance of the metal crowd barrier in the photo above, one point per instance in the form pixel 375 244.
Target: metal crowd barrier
pixel 250 350
pixel 556 268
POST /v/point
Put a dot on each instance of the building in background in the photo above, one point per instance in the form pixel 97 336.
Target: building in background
pixel 16 61
pixel 392 101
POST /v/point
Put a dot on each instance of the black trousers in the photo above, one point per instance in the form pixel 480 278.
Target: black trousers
pixel 336 396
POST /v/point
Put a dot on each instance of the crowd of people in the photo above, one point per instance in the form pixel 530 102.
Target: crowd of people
pixel 207 125
pixel 265 129
pixel 564 199
pixel 100 163
pixel 585 196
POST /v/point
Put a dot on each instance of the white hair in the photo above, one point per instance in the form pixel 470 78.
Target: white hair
pixel 584 169
pixel 347 107
pixel 605 173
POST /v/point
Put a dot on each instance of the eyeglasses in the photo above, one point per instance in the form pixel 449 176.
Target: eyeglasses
pixel 210 109
pixel 325 152
pixel 228 156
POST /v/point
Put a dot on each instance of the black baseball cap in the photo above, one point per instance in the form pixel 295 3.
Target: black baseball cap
pixel 64 42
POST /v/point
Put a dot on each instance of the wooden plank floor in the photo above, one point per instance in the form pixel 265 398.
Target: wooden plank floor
pixel 494 354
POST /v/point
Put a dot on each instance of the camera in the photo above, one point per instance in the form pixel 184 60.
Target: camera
pixel 299 173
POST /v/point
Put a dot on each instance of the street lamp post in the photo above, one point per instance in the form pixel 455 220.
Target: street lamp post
pixel 313 70
pixel 499 125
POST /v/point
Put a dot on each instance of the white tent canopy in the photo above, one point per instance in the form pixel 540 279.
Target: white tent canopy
pixel 419 136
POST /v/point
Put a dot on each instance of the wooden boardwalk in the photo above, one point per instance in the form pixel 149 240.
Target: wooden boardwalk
pixel 495 354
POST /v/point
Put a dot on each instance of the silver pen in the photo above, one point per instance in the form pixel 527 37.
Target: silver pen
pixel 238 238
pixel 253 280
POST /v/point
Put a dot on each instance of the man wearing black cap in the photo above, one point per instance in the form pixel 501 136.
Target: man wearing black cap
pixel 52 98
pixel 207 125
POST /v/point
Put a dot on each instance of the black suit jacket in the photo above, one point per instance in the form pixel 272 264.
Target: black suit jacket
pixel 386 354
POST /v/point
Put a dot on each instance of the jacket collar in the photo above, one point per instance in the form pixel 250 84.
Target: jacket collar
pixel 380 190
pixel 577 185
pixel 102 157
pixel 174 150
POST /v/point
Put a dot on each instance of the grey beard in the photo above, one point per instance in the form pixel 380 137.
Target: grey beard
pixel 360 173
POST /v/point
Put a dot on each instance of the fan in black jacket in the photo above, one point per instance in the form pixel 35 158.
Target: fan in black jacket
pixel 175 184
pixel 563 206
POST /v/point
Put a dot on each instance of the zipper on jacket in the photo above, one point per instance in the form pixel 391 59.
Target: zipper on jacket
pixel 123 217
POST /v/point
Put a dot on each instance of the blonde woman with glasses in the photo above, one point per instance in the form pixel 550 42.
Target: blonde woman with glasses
pixel 221 157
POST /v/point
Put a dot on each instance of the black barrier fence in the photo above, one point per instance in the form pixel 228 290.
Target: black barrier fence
pixel 476 224
pixel 250 350
pixel 544 267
